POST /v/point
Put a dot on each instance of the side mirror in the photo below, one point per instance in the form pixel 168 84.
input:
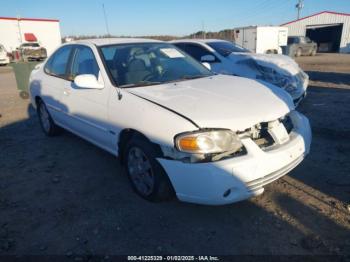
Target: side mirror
pixel 207 65
pixel 208 59
pixel 88 81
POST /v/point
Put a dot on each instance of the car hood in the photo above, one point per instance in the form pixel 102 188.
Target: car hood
pixel 280 63
pixel 220 101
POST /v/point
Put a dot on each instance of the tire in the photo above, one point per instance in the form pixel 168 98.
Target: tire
pixel 46 122
pixel 298 52
pixel 147 177
pixel 313 52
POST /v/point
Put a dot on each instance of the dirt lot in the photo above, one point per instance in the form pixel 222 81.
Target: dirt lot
pixel 66 197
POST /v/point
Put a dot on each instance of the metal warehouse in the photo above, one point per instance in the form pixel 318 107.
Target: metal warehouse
pixel 330 30
pixel 16 31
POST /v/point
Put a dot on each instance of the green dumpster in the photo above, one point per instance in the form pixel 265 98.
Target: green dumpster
pixel 22 72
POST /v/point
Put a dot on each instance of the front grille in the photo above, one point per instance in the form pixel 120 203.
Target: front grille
pixel 288 124
pixel 260 135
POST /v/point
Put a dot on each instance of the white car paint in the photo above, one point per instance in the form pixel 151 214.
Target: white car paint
pixel 163 111
pixel 240 64
pixel 196 95
pixel 4 59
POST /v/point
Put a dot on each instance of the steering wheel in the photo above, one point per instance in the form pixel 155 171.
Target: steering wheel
pixel 148 77
pixel 165 74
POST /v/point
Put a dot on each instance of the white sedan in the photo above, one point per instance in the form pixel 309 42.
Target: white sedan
pixel 4 59
pixel 225 57
pixel 177 127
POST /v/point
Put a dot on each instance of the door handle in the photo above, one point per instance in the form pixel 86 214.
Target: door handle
pixel 66 92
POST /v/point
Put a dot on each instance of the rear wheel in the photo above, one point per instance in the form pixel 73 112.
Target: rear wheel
pixel 146 175
pixel 46 122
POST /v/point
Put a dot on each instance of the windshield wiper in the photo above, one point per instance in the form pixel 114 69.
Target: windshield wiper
pixel 187 77
pixel 141 83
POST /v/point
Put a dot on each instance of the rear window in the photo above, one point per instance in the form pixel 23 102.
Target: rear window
pixel 31 45
pixel 292 40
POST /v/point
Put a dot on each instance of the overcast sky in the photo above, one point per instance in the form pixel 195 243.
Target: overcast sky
pixel 171 17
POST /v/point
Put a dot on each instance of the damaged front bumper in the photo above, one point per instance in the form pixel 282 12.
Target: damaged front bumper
pixel 302 82
pixel 239 178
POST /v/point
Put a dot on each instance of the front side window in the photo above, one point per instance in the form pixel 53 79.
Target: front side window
pixel 226 48
pixel 196 51
pixel 291 40
pixel 57 64
pixel 132 65
pixel 84 62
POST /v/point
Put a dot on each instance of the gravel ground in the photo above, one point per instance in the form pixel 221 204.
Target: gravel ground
pixel 64 196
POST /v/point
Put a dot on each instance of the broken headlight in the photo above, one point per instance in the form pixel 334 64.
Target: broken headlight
pixel 208 142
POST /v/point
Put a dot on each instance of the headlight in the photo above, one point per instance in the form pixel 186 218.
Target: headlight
pixel 291 88
pixel 208 142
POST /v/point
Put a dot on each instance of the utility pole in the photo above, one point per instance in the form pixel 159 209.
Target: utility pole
pixel 299 6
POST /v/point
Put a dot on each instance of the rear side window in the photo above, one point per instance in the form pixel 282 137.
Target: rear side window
pixel 84 62
pixel 57 64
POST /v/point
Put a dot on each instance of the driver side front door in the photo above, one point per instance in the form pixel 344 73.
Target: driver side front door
pixel 87 108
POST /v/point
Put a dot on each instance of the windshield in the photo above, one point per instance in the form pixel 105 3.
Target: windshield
pixel 225 48
pixel 132 65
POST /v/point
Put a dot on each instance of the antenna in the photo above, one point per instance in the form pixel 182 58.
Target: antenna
pixel 203 30
pixel 299 6
pixel 19 28
pixel 106 21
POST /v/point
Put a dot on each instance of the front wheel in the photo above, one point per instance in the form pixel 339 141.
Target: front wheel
pixel 147 177
pixel 46 122
pixel 313 52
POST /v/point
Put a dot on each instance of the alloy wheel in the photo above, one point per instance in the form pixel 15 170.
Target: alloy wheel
pixel 140 170
pixel 44 118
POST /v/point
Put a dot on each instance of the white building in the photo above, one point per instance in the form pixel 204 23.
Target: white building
pixel 14 31
pixel 330 30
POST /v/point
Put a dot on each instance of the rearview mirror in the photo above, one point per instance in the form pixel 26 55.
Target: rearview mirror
pixel 208 59
pixel 88 81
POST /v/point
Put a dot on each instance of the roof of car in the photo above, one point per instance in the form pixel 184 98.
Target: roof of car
pixel 111 41
pixel 197 40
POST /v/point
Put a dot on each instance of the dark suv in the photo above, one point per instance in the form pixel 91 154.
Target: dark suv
pixel 301 45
